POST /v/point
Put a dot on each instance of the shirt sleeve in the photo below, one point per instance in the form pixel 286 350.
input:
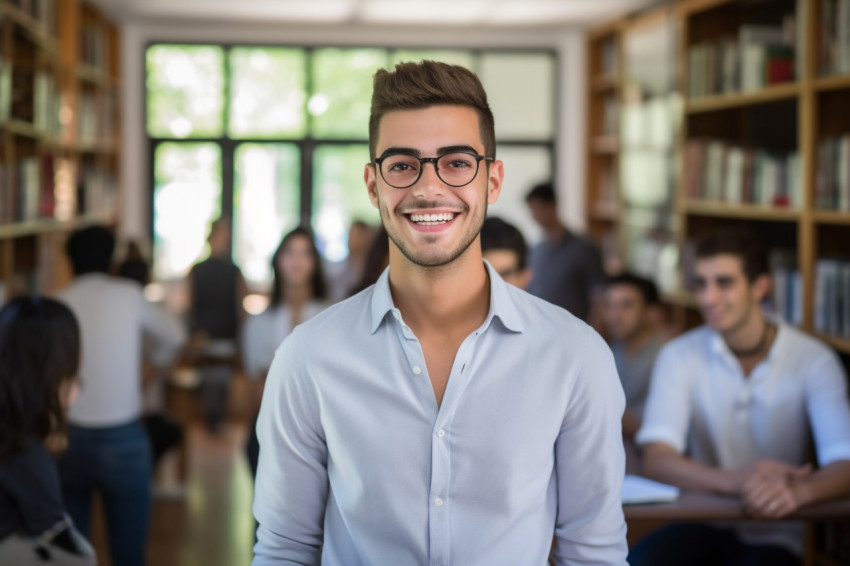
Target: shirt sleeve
pixel 667 413
pixel 829 409
pixel 590 464
pixel 165 331
pixel 292 477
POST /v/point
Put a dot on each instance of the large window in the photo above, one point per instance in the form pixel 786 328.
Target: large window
pixel 275 137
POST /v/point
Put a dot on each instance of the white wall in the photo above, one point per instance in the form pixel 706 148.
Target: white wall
pixel 137 35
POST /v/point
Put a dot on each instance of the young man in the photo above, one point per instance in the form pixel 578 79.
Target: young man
pixel 504 247
pixel 741 393
pixel 108 449
pixel 566 268
pixel 441 416
pixel 627 318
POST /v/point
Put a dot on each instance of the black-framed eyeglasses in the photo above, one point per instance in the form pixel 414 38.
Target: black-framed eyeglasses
pixel 401 170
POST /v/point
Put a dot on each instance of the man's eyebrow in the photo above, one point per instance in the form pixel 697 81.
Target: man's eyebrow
pixel 400 151
pixel 456 149
pixel 416 153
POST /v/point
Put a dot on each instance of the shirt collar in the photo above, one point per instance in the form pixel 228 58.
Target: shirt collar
pixel 502 305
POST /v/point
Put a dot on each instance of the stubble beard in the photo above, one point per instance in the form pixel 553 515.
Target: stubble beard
pixel 425 259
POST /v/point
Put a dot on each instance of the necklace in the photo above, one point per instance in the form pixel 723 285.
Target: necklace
pixel 757 348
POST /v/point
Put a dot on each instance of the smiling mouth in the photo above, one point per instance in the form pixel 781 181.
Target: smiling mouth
pixel 431 219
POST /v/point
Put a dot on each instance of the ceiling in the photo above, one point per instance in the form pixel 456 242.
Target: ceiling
pixel 394 13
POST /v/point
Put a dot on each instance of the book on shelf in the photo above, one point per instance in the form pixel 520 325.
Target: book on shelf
pixel 759 56
pixel 610 57
pixel 718 171
pixel 832 180
pixel 97 190
pixel 7 204
pixel 93 46
pixel 834 34
pixel 832 296
pixel 787 299
pixel 5 88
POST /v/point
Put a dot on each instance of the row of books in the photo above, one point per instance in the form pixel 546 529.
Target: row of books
pixel 832 184
pixel 832 296
pixel 760 55
pixel 834 37
pixel 719 171
pixel 30 96
pixel 38 186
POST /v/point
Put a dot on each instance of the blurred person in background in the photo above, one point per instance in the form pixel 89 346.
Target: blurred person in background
pixel 39 361
pixel 108 450
pixel 350 271
pixel 503 245
pixel 377 260
pixel 216 291
pixel 299 293
pixel 566 269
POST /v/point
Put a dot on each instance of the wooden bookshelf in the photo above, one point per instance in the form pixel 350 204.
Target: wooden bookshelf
pixel 796 124
pixel 59 126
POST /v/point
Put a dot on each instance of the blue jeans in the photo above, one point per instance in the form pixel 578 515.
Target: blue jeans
pixel 116 463
pixel 692 544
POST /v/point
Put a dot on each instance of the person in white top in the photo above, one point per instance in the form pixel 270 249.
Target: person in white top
pixel 108 450
pixel 730 408
pixel 299 292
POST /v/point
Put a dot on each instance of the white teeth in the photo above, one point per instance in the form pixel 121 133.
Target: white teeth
pixel 432 219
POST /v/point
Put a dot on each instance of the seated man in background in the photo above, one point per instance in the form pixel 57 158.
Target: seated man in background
pixel 741 393
pixel 503 245
pixel 629 300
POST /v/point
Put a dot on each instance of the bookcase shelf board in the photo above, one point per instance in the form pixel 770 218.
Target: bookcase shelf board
pixel 741 211
pixel 725 101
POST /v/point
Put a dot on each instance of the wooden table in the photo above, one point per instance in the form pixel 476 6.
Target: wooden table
pixel 702 506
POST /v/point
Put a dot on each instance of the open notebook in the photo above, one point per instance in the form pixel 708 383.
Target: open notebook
pixel 637 489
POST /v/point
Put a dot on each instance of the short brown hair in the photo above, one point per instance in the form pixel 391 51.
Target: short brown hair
pixel 412 86
pixel 739 242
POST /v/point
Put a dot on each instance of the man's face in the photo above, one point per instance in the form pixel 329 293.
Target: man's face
pixel 725 297
pixel 431 223
pixel 506 264
pixel 543 212
pixel 625 312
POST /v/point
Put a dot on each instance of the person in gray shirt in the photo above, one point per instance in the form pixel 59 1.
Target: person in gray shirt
pixel 629 302
pixel 566 269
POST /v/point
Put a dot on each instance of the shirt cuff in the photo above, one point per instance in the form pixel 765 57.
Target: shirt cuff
pixel 833 453
pixel 648 434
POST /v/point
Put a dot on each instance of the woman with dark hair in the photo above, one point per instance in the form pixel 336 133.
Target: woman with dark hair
pixel 39 361
pixel 299 292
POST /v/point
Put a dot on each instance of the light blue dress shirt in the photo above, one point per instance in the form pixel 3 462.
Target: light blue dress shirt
pixel 359 466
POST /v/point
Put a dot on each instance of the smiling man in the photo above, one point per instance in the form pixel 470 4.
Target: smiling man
pixel 730 408
pixel 441 416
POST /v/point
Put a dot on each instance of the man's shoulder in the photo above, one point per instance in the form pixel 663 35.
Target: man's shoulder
pixel 542 315
pixel 693 341
pixel 349 315
pixel 100 285
pixel 800 344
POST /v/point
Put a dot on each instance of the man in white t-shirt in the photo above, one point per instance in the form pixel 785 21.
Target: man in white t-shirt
pixel 108 449
pixel 730 408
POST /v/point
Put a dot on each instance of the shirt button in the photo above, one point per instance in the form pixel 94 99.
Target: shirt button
pixel 441 433
pixel 417 370
pixel 438 502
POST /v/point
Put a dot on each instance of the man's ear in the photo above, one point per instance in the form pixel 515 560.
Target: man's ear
pixel 762 285
pixel 371 183
pixel 495 175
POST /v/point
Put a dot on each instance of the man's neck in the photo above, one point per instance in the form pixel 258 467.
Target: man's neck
pixel 454 298
pixel 297 295
pixel 556 233
pixel 748 335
